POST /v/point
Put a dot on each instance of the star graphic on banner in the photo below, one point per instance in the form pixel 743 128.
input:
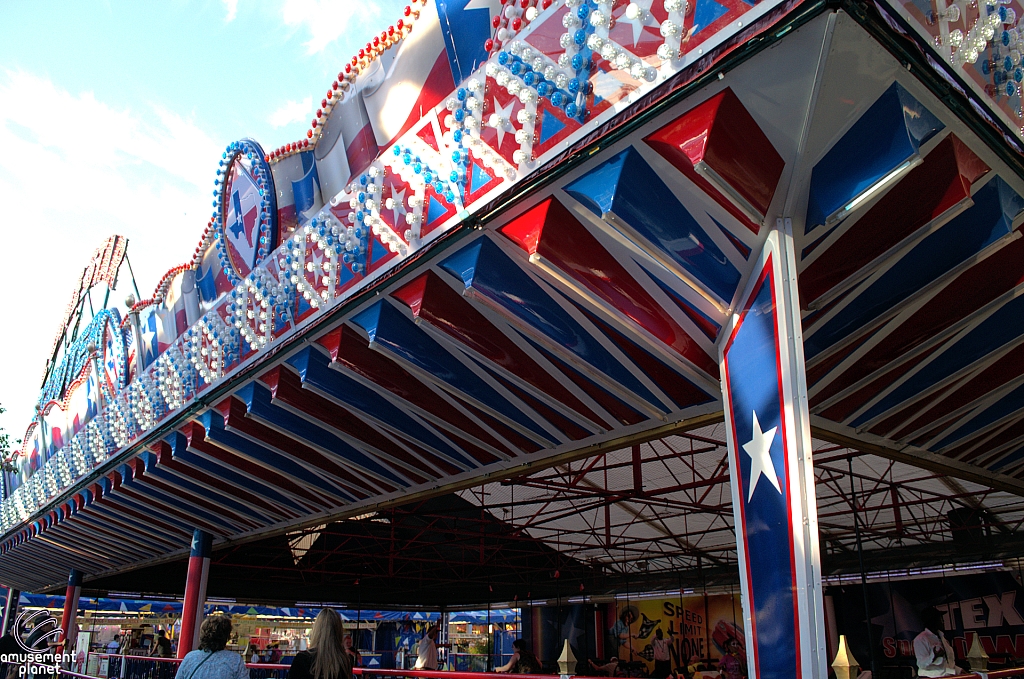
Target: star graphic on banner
pixel 638 23
pixel 571 631
pixel 398 209
pixel 149 340
pixel 759 450
pixel 493 7
pixel 506 114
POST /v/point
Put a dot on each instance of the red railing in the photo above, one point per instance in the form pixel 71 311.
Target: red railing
pixel 993 674
pixel 267 670
pixel 144 667
pixel 439 674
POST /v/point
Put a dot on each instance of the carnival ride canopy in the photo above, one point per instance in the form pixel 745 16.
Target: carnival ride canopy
pixel 528 264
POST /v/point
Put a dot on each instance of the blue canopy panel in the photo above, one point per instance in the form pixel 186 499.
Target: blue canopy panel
pixel 931 194
pixel 438 306
pixel 988 221
pixel 318 377
pixel 326 450
pixel 140 512
pixel 492 278
pixel 197 491
pixel 1003 326
pixel 562 247
pixel 133 483
pixel 391 448
pixel 392 331
pixel 880 148
pixel 629 194
pixel 175 456
pixel 226 478
pixel 260 455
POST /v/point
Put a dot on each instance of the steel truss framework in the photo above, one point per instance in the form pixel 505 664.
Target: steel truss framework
pixel 656 515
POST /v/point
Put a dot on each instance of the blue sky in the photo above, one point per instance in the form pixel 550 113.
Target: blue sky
pixel 112 118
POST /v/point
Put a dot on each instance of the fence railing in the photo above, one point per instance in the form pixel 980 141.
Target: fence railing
pixel 139 667
pixel 142 667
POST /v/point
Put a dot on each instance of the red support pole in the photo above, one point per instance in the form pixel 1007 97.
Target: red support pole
pixel 195 591
pixel 68 623
pixel 10 611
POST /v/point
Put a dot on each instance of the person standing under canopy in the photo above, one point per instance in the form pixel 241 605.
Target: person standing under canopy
pixel 934 654
pixel 326 657
pixel 352 651
pixel 426 653
pixel 161 646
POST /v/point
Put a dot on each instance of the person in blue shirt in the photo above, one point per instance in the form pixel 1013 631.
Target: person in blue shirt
pixel 212 660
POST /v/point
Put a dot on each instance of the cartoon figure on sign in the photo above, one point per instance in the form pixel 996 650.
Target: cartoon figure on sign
pixel 242 215
pixel 619 635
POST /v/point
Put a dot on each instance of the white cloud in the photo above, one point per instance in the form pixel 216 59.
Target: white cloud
pixel 74 171
pixel 328 20
pixel 231 6
pixel 292 112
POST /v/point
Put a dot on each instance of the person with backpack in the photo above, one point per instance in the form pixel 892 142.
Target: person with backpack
pixel 212 660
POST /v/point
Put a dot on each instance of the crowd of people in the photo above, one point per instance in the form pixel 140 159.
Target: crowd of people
pixel 331 654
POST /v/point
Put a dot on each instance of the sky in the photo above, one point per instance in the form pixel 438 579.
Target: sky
pixel 113 116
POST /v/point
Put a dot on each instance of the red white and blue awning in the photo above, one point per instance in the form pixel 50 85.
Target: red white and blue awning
pixel 421 330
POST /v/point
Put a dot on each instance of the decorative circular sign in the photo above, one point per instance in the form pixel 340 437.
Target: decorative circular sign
pixel 247 215
pixel 115 361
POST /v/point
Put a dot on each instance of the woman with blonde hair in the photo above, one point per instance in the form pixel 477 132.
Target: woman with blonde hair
pixel 326 657
pixel 211 660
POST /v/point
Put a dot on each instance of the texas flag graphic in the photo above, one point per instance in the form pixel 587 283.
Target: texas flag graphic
pixel 778 556
pixel 241 226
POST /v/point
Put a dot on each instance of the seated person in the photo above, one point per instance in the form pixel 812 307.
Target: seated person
pixel 523 661
pixel 605 669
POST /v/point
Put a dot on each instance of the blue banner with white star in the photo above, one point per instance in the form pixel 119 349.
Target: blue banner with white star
pixel 773 511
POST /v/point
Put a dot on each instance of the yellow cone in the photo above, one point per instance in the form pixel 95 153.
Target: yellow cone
pixel 566 661
pixel 977 657
pixel 845 665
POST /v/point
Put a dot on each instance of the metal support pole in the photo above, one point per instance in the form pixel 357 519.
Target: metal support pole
pixel 195 591
pixel 863 575
pixel 764 388
pixel 133 319
pixel 10 611
pixel 68 622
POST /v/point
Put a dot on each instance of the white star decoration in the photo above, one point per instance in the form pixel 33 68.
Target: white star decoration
pixel 759 450
pixel 638 23
pixel 398 209
pixel 506 115
pixel 318 264
pixel 148 341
